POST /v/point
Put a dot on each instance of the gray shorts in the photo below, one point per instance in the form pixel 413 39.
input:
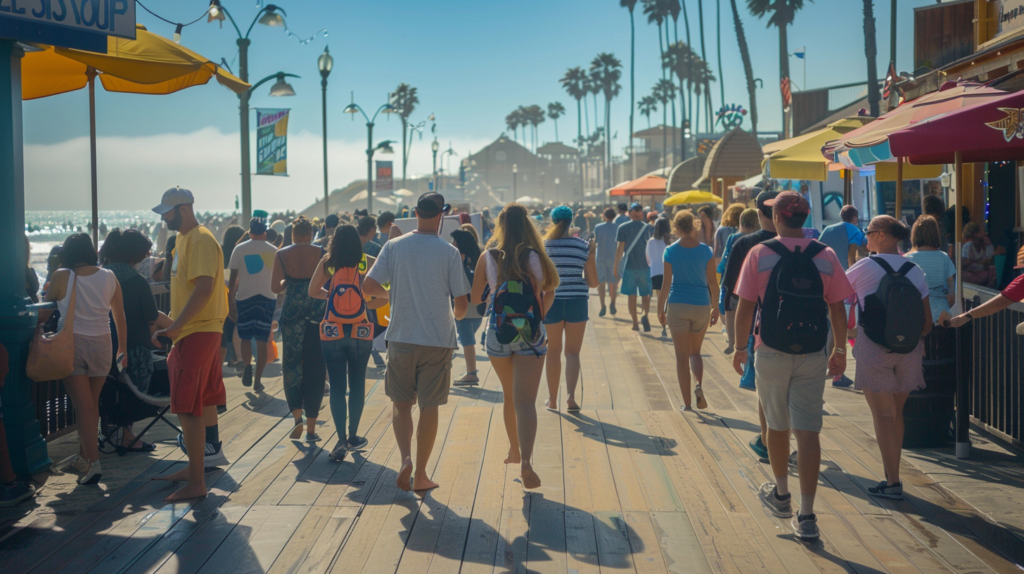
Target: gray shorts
pixel 418 373
pixel 791 389
pixel 93 355
pixel 606 271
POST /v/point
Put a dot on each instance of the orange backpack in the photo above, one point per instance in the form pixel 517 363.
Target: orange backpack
pixel 345 306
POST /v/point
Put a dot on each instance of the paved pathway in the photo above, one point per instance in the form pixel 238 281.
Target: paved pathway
pixel 630 484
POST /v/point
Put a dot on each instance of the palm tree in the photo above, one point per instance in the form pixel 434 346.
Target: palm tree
pixel 672 10
pixel 781 14
pixel 647 106
pixel 629 5
pixel 703 50
pixel 595 90
pixel 658 11
pixel 555 111
pixel 871 51
pixel 665 92
pixel 718 38
pixel 680 59
pixel 512 122
pixel 533 116
pixel 404 100
pixel 573 83
pixel 748 70
pixel 608 69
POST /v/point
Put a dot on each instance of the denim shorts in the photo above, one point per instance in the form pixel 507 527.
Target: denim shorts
pixel 636 282
pixel 496 349
pixel 467 329
pixel 572 310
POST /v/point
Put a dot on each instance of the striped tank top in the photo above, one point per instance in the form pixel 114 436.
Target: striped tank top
pixel 569 255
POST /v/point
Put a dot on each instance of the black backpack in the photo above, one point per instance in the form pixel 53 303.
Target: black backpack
pixel 893 315
pixel 794 315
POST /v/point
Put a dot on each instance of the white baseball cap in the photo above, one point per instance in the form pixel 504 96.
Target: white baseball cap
pixel 173 198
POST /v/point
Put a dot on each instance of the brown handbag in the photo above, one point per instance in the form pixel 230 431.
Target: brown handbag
pixel 51 356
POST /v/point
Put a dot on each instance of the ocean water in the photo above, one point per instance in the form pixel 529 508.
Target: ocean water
pixel 45 229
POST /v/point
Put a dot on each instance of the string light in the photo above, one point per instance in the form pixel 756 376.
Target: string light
pixel 178 26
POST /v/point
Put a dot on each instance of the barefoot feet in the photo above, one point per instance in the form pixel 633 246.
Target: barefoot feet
pixel 404 474
pixel 530 478
pixel 421 483
pixel 180 476
pixel 187 492
pixel 513 457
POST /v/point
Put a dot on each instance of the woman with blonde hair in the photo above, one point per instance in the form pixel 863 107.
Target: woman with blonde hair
pixel 749 223
pixel 577 273
pixel 730 224
pixel 516 256
pixel 688 302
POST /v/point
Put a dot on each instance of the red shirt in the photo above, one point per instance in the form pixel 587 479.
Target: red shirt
pixel 1015 290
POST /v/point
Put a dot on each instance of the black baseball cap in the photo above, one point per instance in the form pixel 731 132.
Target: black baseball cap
pixel 332 220
pixel 763 197
pixel 431 205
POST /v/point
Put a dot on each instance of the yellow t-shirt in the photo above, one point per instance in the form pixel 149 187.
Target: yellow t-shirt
pixel 197 254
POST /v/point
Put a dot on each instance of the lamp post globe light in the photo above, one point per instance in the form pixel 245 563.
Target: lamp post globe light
pixel 434 147
pixel 324 63
pixel 383 147
pixel 269 15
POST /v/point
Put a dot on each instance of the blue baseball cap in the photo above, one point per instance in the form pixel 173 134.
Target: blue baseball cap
pixel 636 206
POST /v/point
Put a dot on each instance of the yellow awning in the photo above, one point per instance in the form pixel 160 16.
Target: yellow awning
pixel 886 171
pixel 800 157
pixel 150 64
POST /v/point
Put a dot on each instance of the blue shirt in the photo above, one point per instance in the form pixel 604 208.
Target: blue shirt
pixel 938 268
pixel 840 237
pixel 604 235
pixel 728 251
pixel 689 273
pixel 622 218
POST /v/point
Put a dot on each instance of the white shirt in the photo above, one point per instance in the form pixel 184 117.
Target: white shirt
pixel 254 261
pixel 865 275
pixel 92 304
pixel 656 256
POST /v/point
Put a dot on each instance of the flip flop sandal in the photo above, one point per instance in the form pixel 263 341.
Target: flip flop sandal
pixel 140 446
pixel 462 382
pixel 573 409
pixel 702 403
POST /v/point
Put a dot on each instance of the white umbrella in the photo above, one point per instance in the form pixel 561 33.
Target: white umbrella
pixel 361 196
pixel 403 193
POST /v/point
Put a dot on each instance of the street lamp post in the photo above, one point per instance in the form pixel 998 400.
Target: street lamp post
pixel 324 63
pixel 515 189
pixel 434 147
pixel 408 146
pixel 384 146
pixel 449 152
pixel 556 189
pixel 268 16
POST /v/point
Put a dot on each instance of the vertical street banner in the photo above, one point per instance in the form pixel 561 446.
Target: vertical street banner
pixel 272 141
pixel 385 177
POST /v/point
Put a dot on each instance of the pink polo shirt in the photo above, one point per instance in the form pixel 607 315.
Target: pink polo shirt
pixel 757 270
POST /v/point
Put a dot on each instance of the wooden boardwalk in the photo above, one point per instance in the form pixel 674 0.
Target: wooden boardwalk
pixel 630 484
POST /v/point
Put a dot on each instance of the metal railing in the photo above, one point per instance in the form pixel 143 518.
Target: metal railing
pixel 996 385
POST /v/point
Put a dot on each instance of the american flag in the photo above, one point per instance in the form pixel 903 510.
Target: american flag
pixel 890 82
pixel 787 94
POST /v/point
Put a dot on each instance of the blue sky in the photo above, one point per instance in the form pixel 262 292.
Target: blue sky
pixel 472 62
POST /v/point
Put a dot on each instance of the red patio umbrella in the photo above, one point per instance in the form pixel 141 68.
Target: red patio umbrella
pixel 993 131
pixel 646 185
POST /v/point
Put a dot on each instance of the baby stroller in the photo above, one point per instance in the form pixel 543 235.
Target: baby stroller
pixel 122 404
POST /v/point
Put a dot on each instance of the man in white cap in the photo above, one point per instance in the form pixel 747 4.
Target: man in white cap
pixel 198 309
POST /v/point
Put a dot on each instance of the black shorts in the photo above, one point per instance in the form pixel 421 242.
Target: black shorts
pixel 228 334
pixel 656 282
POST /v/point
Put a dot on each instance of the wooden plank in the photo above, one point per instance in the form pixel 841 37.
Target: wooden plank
pixel 483 537
pixel 679 544
pixel 191 555
pixel 329 536
pixel 627 485
pixel 580 542
pixel 546 550
pixel 657 488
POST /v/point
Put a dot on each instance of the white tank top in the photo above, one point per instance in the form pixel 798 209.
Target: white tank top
pixel 92 306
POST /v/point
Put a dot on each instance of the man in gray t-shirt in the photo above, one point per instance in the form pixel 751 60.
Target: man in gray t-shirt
pixel 604 236
pixel 425 274
pixel 631 264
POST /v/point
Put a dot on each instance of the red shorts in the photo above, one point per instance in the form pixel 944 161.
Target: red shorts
pixel 195 374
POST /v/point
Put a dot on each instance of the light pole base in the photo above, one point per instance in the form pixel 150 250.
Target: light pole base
pixel 27 447
pixel 963 450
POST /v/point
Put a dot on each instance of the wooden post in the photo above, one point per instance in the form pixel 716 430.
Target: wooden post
pixel 963 443
pixel 899 187
pixel 847 188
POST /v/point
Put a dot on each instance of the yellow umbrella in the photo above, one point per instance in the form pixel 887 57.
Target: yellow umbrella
pixel 693 196
pixel 150 64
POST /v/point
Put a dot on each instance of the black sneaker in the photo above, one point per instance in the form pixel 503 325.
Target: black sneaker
pixel 258 387
pixel 357 442
pixel 14 493
pixel 646 323
pixel 885 490
pixel 213 454
pixel 806 527
pixel 611 309
pixel 843 382
pixel 603 312
pixel 247 376
pixel 780 507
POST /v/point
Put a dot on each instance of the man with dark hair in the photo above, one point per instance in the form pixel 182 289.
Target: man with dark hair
pixel 631 264
pixel 934 206
pixel 845 238
pixel 789 342
pixel 622 218
pixel 426 273
pixel 198 312
pixel 604 237
pixel 330 224
pixel 384 223
pixel 367 228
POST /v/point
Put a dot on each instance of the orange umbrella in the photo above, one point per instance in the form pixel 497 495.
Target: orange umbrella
pixel 646 185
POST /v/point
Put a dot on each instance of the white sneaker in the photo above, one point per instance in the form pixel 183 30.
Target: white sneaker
pixel 92 473
pixel 213 454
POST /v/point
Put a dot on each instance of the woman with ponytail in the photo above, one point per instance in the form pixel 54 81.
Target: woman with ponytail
pixel 577 274
pixel 516 254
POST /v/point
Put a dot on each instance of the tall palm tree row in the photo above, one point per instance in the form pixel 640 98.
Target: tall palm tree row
pixel 704 57
pixel 607 69
pixel 871 51
pixel 646 106
pixel 780 13
pixel 534 116
pixel 573 84
pixel 512 121
pixel 555 111
pixel 664 92
pixel 404 100
pixel 718 39
pixel 629 5
pixel 748 69
pixel 672 10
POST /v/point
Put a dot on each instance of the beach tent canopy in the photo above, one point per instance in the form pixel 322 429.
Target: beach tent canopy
pixel 692 197
pixel 993 131
pixel 870 144
pixel 646 185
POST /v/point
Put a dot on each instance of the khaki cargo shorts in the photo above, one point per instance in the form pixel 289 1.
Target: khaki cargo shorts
pixel 791 389
pixel 418 373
